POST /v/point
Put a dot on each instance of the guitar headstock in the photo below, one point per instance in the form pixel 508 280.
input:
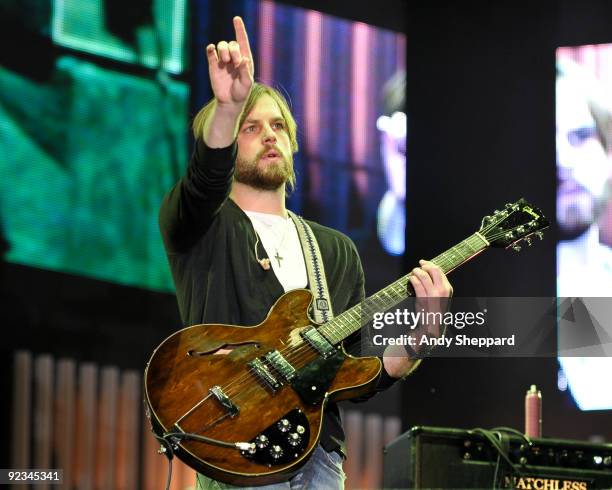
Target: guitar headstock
pixel 515 223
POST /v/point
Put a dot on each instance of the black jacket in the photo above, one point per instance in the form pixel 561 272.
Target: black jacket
pixel 210 244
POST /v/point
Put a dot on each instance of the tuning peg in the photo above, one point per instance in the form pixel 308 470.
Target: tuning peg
pixel 509 235
pixel 529 241
pixel 508 206
pixel 520 229
pixel 486 221
pixel 516 247
pixel 539 234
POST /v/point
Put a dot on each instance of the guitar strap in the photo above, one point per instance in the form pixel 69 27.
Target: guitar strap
pixel 321 306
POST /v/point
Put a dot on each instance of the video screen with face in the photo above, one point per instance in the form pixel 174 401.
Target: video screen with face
pixel 584 202
pixel 346 83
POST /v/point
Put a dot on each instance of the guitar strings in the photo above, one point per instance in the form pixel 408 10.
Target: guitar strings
pixel 294 355
pixel 304 351
pixel 302 354
pixel 304 348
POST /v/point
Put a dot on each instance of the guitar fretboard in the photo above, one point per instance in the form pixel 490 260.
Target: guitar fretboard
pixel 347 323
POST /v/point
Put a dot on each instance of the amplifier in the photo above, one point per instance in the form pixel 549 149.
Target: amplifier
pixel 435 457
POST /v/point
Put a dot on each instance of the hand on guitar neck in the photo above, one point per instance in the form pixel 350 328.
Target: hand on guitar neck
pixel 431 288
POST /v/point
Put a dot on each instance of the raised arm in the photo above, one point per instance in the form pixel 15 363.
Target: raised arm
pixel 231 70
pixel 191 205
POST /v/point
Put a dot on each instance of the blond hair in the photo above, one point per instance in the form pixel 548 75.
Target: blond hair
pixel 258 90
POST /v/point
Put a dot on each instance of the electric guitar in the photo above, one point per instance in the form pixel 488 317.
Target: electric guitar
pixel 244 405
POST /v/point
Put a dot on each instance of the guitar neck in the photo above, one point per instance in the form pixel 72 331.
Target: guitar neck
pixel 347 323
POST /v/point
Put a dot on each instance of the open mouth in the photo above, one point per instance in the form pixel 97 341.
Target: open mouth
pixel 269 155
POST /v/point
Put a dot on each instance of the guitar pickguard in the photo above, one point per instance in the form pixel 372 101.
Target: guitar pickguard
pixel 313 380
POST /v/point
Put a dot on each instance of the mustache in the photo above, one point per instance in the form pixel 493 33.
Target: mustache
pixel 268 149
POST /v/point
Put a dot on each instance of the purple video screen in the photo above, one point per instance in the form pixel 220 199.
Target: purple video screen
pixel 584 204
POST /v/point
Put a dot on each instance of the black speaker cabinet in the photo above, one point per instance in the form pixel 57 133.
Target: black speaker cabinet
pixel 434 457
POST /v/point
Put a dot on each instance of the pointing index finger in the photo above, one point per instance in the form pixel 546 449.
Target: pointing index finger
pixel 242 38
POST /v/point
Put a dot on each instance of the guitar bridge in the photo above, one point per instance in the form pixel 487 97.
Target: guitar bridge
pixel 230 407
pixel 262 372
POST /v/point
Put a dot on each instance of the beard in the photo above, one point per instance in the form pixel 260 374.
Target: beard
pixel 268 177
pixel 576 209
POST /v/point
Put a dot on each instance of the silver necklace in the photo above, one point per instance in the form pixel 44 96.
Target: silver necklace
pixel 278 256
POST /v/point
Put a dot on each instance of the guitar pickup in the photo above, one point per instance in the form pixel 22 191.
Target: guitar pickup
pixel 231 408
pixel 278 362
pixel 262 372
pixel 318 342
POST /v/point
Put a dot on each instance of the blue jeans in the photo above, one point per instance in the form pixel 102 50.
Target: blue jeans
pixel 323 471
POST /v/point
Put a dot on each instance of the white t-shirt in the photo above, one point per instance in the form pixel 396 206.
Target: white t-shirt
pixel 282 243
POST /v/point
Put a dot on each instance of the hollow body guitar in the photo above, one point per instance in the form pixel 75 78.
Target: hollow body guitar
pixel 262 389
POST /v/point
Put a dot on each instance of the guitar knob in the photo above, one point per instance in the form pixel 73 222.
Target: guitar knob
pixel 300 429
pixel 276 451
pixel 261 441
pixel 283 425
pixel 294 439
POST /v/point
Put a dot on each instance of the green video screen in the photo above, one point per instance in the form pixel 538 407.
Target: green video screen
pixel 87 150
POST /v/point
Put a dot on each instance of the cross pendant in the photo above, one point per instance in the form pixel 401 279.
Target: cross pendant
pixel 278 258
